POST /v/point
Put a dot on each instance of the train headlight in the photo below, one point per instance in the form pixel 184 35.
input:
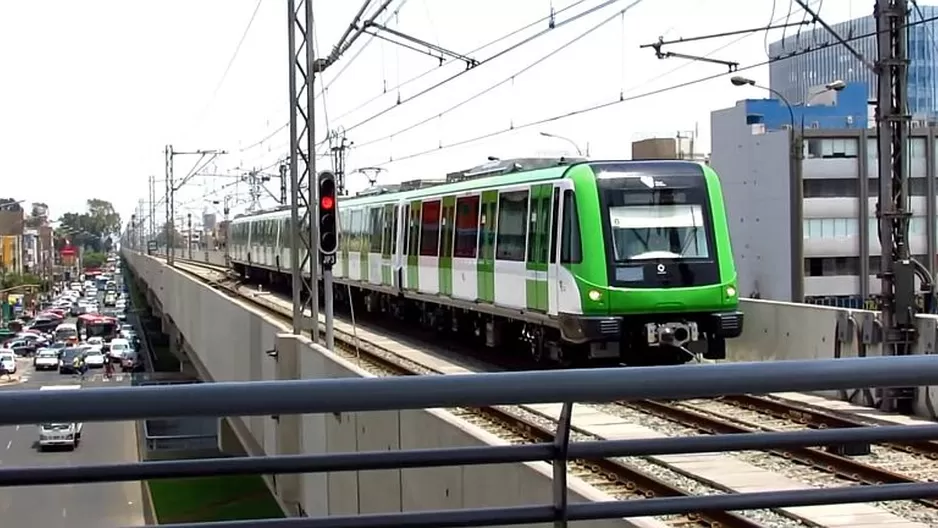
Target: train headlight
pixel 595 295
pixel 730 291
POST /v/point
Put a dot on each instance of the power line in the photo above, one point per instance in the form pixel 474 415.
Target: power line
pixel 473 52
pixel 237 50
pixel 609 104
pixel 537 62
pixel 502 53
pixel 415 78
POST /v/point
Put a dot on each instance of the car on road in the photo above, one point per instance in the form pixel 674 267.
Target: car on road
pixel 95 341
pixel 8 361
pixel 94 357
pixel 131 363
pixel 46 359
pixel 118 348
pixel 66 362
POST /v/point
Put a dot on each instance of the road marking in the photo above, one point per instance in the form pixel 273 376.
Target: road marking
pixel 63 512
pixel 17 428
pixel 9 444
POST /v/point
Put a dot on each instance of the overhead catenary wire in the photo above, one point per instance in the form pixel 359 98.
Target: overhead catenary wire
pixel 410 80
pixel 481 63
pixel 234 56
pixel 470 53
pixel 510 78
pixel 336 77
pixel 618 101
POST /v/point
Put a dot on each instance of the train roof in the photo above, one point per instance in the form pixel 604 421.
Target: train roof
pixel 498 173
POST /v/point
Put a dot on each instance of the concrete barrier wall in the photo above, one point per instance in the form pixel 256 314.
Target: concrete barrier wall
pixel 231 340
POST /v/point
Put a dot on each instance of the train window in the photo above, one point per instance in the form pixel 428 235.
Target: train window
pixel 467 227
pixel 430 229
pixel 554 220
pixel 345 224
pixel 512 226
pixel 446 239
pixel 377 215
pixel 355 224
pixel 570 250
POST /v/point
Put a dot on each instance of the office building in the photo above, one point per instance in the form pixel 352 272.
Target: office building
pixel 668 148
pixel 751 150
pixel 798 76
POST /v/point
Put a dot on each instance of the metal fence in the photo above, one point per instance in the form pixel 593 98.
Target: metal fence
pixel 485 390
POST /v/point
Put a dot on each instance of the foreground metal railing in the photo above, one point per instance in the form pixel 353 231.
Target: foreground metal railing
pixel 485 390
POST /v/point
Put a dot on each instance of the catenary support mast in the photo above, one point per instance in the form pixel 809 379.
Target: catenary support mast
pixel 898 269
pixel 303 247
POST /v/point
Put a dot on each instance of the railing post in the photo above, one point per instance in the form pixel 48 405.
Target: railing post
pixel 289 426
pixel 561 448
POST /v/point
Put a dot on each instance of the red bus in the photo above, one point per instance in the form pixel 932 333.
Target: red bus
pixel 95 325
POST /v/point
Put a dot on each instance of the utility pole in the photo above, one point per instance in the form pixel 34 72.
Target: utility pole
pixel 189 235
pixel 151 231
pixel 168 226
pixel 284 174
pixel 898 269
pixel 302 70
pixel 171 189
pixel 340 144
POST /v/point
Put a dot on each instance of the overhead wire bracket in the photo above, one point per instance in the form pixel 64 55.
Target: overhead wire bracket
pixel 438 52
pixel 732 65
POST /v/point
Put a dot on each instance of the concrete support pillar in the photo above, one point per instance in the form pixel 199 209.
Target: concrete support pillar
pixel 289 426
pixel 228 441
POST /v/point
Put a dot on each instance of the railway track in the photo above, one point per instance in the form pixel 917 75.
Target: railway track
pixel 622 479
pixel 614 478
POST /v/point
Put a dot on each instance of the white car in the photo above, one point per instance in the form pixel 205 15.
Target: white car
pixel 118 349
pixel 95 341
pixel 94 357
pixel 8 361
pixel 46 359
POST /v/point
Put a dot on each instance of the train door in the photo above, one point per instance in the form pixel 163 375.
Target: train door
pixel 413 246
pixel 376 230
pixel 486 262
pixel 401 216
pixel 446 246
pixel 387 246
pixel 536 276
pixel 554 250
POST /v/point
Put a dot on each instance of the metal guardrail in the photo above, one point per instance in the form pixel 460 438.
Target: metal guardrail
pixel 181 442
pixel 485 390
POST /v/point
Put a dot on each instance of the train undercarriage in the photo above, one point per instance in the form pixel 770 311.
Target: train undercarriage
pixel 574 341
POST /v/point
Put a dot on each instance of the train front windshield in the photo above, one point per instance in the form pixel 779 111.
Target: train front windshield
pixel 658 230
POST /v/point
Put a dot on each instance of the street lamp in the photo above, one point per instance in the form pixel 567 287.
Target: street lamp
pixel 568 140
pixel 796 182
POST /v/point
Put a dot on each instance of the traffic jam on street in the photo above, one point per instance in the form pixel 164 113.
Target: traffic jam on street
pixel 78 333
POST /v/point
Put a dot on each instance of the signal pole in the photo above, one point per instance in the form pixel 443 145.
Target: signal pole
pixel 328 244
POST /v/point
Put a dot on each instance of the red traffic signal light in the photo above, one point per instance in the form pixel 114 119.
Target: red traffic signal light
pixel 327 202
pixel 328 223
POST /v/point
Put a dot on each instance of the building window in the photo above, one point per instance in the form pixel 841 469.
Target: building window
pixel 916 187
pixel 830 148
pixel 831 266
pixel 830 188
pixel 830 227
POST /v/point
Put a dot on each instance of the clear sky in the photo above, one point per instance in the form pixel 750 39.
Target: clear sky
pixel 92 91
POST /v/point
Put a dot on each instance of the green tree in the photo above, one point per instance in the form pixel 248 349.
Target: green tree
pixel 93 259
pixel 180 241
pixel 94 229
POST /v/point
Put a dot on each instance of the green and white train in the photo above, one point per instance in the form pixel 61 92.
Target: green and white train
pixel 569 262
